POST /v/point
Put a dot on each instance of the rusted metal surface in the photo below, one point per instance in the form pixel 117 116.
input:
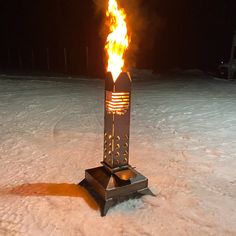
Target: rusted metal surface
pixel 116 180
pixel 117 121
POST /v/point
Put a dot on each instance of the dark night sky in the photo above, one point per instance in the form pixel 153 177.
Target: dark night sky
pixel 198 33
pixel 192 33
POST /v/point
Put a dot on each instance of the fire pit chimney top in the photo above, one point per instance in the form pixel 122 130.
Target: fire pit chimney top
pixel 122 84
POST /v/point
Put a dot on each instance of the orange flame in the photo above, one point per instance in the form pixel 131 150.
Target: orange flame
pixel 118 40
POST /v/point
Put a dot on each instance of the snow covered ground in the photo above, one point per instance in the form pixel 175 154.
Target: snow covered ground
pixel 183 138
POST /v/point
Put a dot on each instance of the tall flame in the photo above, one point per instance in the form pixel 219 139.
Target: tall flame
pixel 117 40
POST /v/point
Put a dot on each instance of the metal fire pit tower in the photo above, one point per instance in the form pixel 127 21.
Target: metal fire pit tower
pixel 116 180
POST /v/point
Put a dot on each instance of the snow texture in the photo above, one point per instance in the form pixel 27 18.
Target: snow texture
pixel 183 138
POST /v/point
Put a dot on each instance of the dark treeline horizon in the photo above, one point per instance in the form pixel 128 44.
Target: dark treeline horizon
pixel 42 27
pixel 193 34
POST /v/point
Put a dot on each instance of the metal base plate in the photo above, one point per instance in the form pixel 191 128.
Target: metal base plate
pixel 109 189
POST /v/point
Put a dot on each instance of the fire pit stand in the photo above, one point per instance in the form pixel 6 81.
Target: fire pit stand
pixel 116 181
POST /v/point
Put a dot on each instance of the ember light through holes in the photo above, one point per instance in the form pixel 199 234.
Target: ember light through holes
pixel 117 103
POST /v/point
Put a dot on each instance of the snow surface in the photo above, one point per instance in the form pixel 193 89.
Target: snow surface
pixel 183 138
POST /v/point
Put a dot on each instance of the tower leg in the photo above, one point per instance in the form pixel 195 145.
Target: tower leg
pixel 106 206
pixel 147 191
pixel 103 204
